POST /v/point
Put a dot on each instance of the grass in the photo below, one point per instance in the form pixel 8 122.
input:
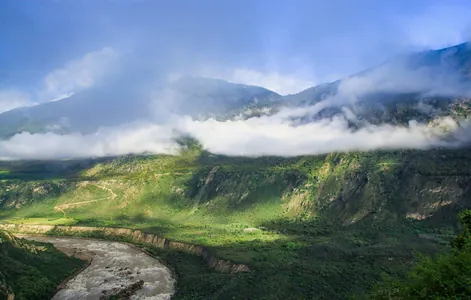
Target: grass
pixel 309 227
pixel 45 221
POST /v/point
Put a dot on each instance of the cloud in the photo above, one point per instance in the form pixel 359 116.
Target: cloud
pixel 401 77
pixel 274 136
pixel 78 74
pixel 132 138
pixel 266 135
pixel 62 83
pixel 439 25
pixel 10 99
pixel 398 79
pixel 282 134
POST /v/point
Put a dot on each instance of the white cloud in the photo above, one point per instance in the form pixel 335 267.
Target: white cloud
pixel 11 99
pixel 267 135
pixel 441 25
pixel 275 136
pixel 78 74
pixel 133 138
pixel 62 83
pixel 278 134
pixel 396 77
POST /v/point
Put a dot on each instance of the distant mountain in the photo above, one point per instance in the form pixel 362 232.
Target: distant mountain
pixel 414 74
pixel 203 97
pixel 420 85
pixel 114 104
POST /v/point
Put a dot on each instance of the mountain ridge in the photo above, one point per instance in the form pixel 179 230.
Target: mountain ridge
pixel 308 227
pixel 201 97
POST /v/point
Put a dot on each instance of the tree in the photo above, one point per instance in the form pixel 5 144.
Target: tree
pixel 446 276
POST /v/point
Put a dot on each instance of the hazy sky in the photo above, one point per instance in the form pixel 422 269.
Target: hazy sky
pixel 284 45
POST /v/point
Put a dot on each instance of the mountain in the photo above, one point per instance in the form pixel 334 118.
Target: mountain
pixel 431 77
pixel 396 76
pixel 308 227
pixel 114 104
pixel 332 223
pixel 203 97
pixel 422 87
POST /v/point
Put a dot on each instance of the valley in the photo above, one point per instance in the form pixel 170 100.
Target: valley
pixel 114 268
pixel 307 227
pixel 143 179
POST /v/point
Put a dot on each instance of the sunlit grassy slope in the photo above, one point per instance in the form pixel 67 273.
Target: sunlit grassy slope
pixel 309 227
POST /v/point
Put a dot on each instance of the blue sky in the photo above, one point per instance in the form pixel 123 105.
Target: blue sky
pixel 50 49
pixel 284 45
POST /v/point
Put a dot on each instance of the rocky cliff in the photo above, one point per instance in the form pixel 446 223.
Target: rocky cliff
pixel 134 236
pixel 352 186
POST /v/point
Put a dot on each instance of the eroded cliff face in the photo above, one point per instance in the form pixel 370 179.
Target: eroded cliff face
pixel 393 188
pixel 130 235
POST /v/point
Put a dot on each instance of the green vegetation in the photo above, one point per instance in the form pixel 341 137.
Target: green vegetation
pixel 446 276
pixel 32 270
pixel 308 227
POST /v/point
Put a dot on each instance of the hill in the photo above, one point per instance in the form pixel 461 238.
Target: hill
pixel 113 104
pixel 415 73
pixel 31 270
pixel 309 227
pixel 332 224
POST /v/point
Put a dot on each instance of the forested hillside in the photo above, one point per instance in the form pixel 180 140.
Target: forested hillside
pixel 31 270
pixel 337 220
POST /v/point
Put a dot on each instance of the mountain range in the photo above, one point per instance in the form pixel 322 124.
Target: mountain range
pixel 307 227
pixel 420 85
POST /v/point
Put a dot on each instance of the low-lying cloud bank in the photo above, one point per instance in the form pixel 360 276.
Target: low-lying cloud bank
pixel 281 134
pixel 267 135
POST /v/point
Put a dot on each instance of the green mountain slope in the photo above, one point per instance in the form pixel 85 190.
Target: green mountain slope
pixel 31 270
pixel 313 227
pixel 309 227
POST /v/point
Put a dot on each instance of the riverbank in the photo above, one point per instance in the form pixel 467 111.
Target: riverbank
pixel 195 278
pixel 32 270
pixel 323 264
pixel 82 255
pixel 116 269
pixel 129 235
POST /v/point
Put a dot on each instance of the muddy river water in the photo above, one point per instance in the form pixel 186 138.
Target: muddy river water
pixel 114 266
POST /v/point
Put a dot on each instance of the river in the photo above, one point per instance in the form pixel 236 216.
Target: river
pixel 114 266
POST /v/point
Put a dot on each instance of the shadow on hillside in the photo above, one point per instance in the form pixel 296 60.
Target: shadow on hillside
pixel 333 264
pixel 240 183
pixel 140 221
pixel 308 260
pixel 28 170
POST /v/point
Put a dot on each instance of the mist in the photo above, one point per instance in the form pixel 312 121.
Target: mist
pixel 267 135
pixel 165 107
pixel 107 81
